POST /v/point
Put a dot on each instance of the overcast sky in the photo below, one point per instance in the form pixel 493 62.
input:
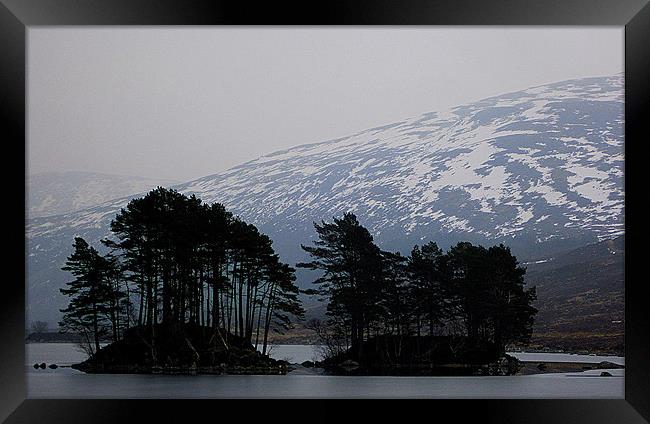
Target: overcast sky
pixel 182 103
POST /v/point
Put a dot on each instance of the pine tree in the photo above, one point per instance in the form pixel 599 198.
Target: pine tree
pixel 509 304
pixel 352 274
pixel 490 287
pixel 431 300
pixel 395 304
pixel 90 294
pixel 118 303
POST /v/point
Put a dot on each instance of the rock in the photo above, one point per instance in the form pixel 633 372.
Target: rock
pixel 605 374
pixel 607 365
pixel 53 366
pixel 349 364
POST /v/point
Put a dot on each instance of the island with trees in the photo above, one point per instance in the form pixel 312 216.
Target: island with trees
pixel 185 288
pixel 431 313
pixel 188 287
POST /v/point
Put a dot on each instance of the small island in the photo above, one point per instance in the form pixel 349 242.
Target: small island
pixel 184 288
pixel 431 313
pixel 188 288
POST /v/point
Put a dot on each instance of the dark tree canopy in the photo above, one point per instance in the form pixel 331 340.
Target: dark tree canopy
pixel 490 286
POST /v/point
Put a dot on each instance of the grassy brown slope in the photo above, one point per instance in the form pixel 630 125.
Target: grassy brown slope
pixel 581 299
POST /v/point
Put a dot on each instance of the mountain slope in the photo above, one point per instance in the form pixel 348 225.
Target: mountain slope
pixel 539 165
pixel 539 169
pixel 54 193
pixel 581 297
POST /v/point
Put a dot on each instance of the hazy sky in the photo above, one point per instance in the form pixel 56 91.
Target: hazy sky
pixel 182 103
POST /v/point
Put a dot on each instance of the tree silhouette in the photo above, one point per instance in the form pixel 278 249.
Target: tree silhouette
pixel 470 292
pixel 430 294
pixel 352 275
pixel 182 263
pixel 94 295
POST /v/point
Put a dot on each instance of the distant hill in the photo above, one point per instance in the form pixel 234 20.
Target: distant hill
pixel 581 297
pixel 54 193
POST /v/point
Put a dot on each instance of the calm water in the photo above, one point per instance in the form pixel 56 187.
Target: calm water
pixel 69 383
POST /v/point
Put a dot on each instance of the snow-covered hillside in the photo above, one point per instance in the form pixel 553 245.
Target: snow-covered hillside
pixel 53 193
pixel 539 169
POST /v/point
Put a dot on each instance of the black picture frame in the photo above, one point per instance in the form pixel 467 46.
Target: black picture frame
pixel 16 16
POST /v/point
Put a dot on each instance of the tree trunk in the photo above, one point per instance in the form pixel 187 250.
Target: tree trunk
pixel 269 315
pixel 95 328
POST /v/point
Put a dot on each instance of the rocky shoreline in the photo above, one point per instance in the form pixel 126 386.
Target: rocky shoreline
pixel 506 365
pixel 224 369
